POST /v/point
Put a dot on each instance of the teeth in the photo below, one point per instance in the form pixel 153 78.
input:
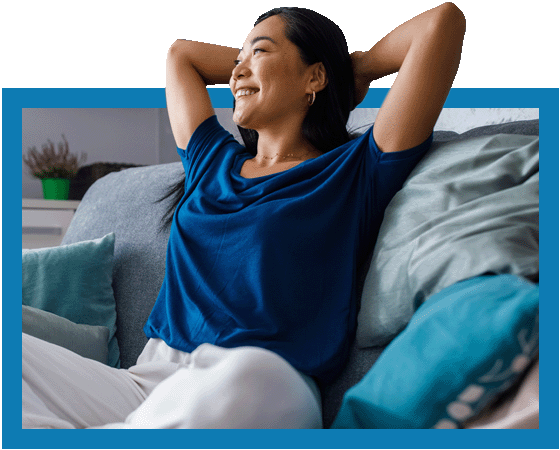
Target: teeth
pixel 244 92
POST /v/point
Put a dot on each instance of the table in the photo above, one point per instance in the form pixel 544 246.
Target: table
pixel 44 222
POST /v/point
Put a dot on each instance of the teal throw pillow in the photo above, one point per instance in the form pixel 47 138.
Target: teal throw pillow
pixel 75 282
pixel 88 341
pixel 463 347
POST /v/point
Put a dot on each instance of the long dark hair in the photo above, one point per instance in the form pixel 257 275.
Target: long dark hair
pixel 319 40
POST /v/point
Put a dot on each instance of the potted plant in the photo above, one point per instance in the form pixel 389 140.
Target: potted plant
pixel 54 168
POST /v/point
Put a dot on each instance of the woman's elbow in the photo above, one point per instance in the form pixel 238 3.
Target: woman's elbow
pixel 179 49
pixel 450 16
pixel 447 24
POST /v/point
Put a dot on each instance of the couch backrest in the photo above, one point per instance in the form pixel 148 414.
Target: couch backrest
pixel 125 203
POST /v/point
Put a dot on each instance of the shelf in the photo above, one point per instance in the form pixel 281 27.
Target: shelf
pixel 36 203
pixel 44 222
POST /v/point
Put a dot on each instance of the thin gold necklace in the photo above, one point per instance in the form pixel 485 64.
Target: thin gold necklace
pixel 289 155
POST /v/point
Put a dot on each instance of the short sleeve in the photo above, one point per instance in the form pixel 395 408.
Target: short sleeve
pixel 391 169
pixel 208 139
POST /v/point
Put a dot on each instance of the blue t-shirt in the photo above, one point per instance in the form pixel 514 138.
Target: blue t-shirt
pixel 273 261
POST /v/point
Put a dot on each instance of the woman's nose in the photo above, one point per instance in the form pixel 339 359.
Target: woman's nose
pixel 240 70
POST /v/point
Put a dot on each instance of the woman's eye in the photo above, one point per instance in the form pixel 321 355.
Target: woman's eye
pixel 257 50
pixel 236 62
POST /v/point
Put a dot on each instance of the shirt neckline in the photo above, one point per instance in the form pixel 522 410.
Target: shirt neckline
pixel 242 157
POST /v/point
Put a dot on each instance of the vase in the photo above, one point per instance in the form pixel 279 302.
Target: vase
pixel 55 188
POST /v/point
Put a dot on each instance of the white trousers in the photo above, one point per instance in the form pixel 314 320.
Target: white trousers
pixel 212 387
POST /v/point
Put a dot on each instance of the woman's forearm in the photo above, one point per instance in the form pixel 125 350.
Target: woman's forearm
pixel 387 56
pixel 190 67
pixel 426 52
pixel 214 63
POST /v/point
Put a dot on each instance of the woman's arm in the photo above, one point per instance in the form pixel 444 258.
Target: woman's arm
pixel 425 51
pixel 191 66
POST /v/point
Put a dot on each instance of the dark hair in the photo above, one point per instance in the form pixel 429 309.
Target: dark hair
pixel 319 40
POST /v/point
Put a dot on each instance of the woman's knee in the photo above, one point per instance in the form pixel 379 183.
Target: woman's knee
pixel 231 388
pixel 259 389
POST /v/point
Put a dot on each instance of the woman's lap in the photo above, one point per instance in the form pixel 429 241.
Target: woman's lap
pixel 76 390
pixel 212 387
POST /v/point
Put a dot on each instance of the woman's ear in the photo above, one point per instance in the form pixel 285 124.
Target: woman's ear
pixel 318 80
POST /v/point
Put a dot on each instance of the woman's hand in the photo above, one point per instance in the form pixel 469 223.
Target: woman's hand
pixel 362 79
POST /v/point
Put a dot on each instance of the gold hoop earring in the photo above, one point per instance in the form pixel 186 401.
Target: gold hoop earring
pixel 311 98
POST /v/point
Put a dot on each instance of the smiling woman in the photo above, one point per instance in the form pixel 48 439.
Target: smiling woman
pixel 271 69
pixel 318 79
pixel 258 306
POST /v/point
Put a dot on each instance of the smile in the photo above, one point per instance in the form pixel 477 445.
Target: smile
pixel 245 92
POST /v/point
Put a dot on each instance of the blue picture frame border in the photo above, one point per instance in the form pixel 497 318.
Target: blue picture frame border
pixel 547 436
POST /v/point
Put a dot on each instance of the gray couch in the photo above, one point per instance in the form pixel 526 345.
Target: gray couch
pixel 126 203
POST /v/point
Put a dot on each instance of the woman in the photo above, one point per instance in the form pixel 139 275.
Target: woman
pixel 258 305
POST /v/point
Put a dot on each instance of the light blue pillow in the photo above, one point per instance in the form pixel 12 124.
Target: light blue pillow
pixel 75 282
pixel 462 347
pixel 470 207
pixel 88 341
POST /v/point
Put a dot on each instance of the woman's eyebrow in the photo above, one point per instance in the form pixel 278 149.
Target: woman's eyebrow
pixel 259 38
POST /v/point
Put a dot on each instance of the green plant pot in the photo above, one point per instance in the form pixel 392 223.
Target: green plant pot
pixel 55 188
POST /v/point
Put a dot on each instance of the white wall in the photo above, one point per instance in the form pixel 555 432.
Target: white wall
pixel 116 135
pixel 106 135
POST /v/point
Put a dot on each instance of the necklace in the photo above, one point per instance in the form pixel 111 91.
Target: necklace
pixel 289 155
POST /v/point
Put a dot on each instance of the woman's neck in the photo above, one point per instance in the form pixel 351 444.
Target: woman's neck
pixel 275 148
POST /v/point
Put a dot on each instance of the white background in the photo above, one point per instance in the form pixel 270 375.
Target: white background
pixel 123 44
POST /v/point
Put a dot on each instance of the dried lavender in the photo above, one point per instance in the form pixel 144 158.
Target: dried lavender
pixel 49 163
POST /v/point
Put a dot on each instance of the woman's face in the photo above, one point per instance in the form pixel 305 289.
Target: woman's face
pixel 270 79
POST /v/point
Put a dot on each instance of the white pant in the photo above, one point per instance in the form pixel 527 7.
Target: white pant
pixel 212 387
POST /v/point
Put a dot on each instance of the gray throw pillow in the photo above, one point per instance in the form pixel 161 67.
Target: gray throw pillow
pixel 89 341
